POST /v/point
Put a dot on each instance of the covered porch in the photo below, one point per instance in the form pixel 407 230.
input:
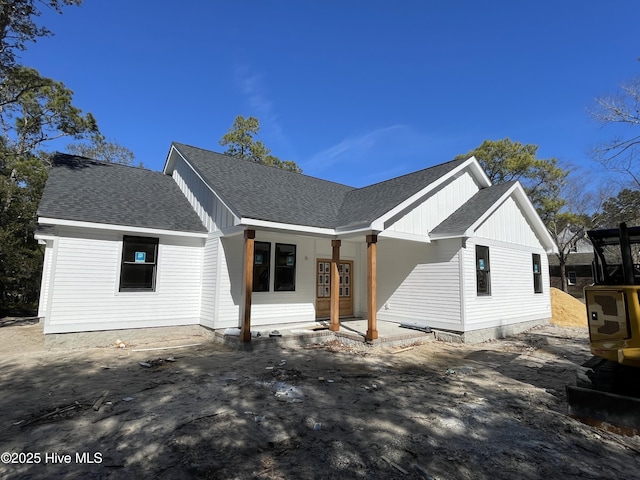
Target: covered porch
pixel 332 296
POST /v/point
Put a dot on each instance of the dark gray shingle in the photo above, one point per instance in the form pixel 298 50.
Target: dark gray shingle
pixel 87 190
pixel 369 203
pixel 573 259
pixel 266 193
pixel 469 212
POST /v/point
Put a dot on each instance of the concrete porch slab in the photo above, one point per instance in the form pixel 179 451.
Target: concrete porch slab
pixel 352 331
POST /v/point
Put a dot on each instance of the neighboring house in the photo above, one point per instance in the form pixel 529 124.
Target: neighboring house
pixel 222 242
pixel 578 268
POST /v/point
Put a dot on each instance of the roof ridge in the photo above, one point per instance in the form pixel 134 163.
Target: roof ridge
pixel 178 144
pixel 105 162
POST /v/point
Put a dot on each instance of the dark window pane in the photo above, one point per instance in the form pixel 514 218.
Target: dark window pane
pixel 483 275
pixel 261 266
pixel 537 273
pixel 137 276
pixel 138 269
pixel 285 273
pixel 133 245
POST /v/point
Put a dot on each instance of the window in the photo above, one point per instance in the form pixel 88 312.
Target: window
pixel 139 259
pixel 285 264
pixel 261 266
pixel 571 277
pixel 537 273
pixel 483 274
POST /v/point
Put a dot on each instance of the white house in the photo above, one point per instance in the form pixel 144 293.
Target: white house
pixel 221 242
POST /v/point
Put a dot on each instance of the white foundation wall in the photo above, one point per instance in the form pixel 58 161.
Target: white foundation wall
pixel 83 289
pixel 512 298
pixel 419 282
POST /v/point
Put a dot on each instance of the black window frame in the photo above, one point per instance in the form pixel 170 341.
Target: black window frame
pixel 261 266
pixel 138 274
pixel 483 271
pixel 537 272
pixel 575 277
pixel 284 278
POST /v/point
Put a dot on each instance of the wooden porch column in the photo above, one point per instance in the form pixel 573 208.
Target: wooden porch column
pixel 334 324
pixel 372 295
pixel 247 276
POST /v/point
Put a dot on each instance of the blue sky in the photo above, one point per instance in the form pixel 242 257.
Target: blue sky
pixel 353 91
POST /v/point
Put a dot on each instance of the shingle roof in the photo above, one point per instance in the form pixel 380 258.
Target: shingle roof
pixel 87 190
pixel 573 259
pixel 265 193
pixel 369 203
pixel 469 212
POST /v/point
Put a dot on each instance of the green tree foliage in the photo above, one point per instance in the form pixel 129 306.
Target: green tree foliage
pixel 99 148
pixel 620 113
pixel 624 207
pixel 505 160
pixel 22 180
pixel 240 143
pixel 18 26
pixel 545 183
pixel 33 110
pixel 37 109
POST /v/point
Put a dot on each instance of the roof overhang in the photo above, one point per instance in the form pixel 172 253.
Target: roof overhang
pixel 286 227
pixel 119 228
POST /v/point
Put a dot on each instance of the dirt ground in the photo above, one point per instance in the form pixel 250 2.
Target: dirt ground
pixel 436 411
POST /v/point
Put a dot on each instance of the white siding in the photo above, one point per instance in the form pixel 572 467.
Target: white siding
pixel 419 282
pixel 46 278
pixel 210 275
pixel 512 298
pixel 438 206
pixel 267 307
pixel 87 272
pixel 508 224
pixel 212 212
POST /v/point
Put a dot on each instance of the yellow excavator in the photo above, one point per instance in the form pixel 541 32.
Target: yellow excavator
pixel 607 390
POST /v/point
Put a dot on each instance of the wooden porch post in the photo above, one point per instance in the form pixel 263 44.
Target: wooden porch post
pixel 372 296
pixel 334 324
pixel 245 332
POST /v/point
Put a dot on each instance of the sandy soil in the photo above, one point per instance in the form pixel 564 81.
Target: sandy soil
pixel 567 311
pixel 434 411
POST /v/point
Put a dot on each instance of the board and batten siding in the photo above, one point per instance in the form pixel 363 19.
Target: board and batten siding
pixel 87 276
pixel 420 282
pixel 213 213
pixel 438 206
pixel 508 224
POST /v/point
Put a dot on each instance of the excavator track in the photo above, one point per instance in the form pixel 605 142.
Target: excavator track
pixel 606 395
